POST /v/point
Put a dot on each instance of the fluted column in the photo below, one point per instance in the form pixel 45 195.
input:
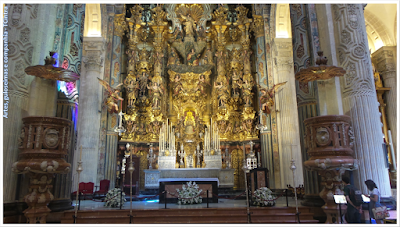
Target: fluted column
pixel 359 96
pixel 287 114
pixel 89 107
pixel 385 62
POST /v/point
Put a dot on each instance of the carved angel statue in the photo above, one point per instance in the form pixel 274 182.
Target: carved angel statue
pixel 267 97
pixel 157 90
pixel 111 101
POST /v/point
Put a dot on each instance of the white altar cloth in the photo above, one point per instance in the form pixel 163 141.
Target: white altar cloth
pixel 188 179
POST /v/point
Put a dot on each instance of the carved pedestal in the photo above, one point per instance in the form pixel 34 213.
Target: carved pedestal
pixel 329 140
pixel 44 142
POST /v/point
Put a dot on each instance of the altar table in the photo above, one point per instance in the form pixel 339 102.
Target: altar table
pixel 169 185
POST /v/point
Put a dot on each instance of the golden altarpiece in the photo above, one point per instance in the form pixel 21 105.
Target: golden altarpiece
pixel 189 84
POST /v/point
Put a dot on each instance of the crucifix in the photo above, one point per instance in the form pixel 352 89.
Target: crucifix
pixel 199 153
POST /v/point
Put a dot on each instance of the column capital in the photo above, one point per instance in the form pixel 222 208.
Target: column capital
pixel 92 56
pixel 258 26
pixel 384 60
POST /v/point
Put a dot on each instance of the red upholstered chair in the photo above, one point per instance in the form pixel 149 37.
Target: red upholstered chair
pixel 88 189
pixel 81 188
pixel 104 185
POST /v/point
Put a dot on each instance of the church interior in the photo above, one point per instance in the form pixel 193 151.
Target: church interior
pixel 254 110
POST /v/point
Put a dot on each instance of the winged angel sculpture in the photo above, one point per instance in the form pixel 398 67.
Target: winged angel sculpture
pixel 111 101
pixel 267 97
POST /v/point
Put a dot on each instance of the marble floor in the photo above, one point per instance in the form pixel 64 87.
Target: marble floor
pixel 154 204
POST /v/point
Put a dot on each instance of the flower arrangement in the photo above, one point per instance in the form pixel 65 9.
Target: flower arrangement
pixel 113 198
pixel 189 194
pixel 263 197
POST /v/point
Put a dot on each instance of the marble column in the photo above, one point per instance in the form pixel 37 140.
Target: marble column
pixel 287 113
pixel 359 96
pixel 385 62
pixel 90 103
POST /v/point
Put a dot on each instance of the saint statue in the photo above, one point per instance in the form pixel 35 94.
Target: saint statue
pixel 174 58
pixel 190 25
pixel 222 92
pixel 111 101
pixel 142 84
pixel 192 58
pixel 157 91
pixel 201 85
pixel 177 84
pixel 131 86
pixel 247 91
pixel 235 84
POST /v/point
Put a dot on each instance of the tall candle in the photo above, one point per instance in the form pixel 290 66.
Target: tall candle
pixel 80 156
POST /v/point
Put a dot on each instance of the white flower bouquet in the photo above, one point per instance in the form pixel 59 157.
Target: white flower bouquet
pixel 113 198
pixel 263 197
pixel 189 194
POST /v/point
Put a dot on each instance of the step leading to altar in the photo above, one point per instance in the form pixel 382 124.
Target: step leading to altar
pixel 224 176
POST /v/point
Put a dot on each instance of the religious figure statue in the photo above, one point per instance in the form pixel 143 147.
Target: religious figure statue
pixel 377 77
pixel 157 90
pixel 111 101
pixel 235 84
pixel 267 98
pixel 222 126
pixel 129 126
pixel 155 127
pixel 178 34
pixel 173 58
pixel 201 85
pixel 131 56
pixel 177 84
pixel 208 57
pixel 143 83
pixel 247 91
pixel 236 128
pixel 193 58
pixel 222 93
pixel 190 25
pixel 248 126
pixel 228 128
pixel 201 33
pixel 131 86
pixel 221 60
